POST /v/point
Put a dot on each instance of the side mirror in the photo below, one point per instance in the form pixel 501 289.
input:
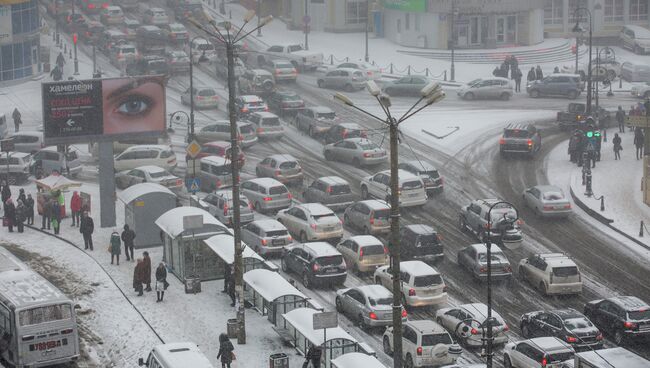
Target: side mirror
pixel 140 361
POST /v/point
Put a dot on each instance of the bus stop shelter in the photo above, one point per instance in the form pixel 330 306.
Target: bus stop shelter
pixel 297 328
pixel 271 294
pixel 143 204
pixel 223 247
pixel 356 360
pixel 185 253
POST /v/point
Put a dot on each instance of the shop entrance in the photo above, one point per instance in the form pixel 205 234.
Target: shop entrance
pixel 506 31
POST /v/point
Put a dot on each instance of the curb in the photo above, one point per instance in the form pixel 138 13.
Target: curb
pixel 602 219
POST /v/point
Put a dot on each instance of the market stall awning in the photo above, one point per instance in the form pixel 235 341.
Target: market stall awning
pixel 270 285
pixel 56 182
pixel 224 246
pixel 138 190
pixel 357 360
pixel 303 321
pixel 171 222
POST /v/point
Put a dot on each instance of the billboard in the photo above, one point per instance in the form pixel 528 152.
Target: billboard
pixel 103 109
pixel 416 6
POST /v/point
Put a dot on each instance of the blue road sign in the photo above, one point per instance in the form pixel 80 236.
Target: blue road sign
pixel 193 184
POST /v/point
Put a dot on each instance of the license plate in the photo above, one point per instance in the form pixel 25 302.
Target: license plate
pixel 331 270
pixel 413 195
pixel 277 241
pixel 45 345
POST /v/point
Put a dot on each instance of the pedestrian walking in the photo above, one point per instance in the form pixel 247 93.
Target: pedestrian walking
pixel 29 207
pixel 60 60
pixel 161 282
pixel 227 273
pixel 115 246
pixel 539 75
pixel 226 351
pixel 10 215
pixel 86 228
pixel 146 273
pixel 20 216
pixel 56 73
pixel 138 276
pixel 75 208
pixel 620 119
pixel 55 215
pixel 313 356
pixel 617 146
pixel 5 192
pixel 21 195
pixel 639 140
pixel 46 214
pixel 128 236
pixel 17 119
pixel 531 75
pixel 231 289
pixel 518 75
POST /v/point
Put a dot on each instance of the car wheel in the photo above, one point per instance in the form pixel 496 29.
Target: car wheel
pixel 534 93
pixel 305 280
pixel 339 306
pixel 364 192
pixel 506 362
pixel 258 208
pixel 505 96
pixel 284 266
pixel 469 96
pixel 542 288
pixel 525 332
pixel 320 83
pixel 572 95
pixel 328 155
pixel 349 88
pixel 303 237
pixel 619 337
pixel 387 348
pixel 409 361
pixel 356 162
pixel 362 323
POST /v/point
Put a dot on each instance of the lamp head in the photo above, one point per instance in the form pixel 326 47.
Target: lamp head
pixel 373 88
pixel 577 28
pixel 436 97
pixel 385 101
pixel 266 20
pixel 343 98
pixel 249 15
pixel 430 89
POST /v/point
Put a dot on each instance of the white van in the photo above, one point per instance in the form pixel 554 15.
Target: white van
pixel 633 72
pixel 145 155
pixel 636 38
pixel 215 173
pixel 176 355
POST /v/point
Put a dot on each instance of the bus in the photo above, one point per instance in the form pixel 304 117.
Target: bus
pixel 38 326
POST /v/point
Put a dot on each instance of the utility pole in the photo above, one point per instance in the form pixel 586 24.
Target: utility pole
pixel 76 61
pixel 259 16
pixel 452 42
pixel 367 57
pixel 306 25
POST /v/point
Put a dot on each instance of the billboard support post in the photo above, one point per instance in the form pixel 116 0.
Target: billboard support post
pixel 106 184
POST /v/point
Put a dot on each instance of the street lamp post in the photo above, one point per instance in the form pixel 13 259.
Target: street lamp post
pixel 190 136
pixel 175 117
pixel 230 40
pixel 431 94
pixel 578 29
pixel 76 61
pixel 452 43
pixel 259 18
pixel 507 220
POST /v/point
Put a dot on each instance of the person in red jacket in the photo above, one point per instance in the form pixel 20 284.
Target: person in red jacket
pixel 75 207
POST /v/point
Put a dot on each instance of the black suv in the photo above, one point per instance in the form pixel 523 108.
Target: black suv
pixel 420 242
pixel 429 175
pixel 566 324
pixel 568 85
pixel 317 263
pixel 627 318
pixel 523 139
pixel 285 102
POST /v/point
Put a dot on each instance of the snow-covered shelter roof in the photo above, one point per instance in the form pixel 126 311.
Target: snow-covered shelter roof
pixel 224 246
pixel 270 285
pixel 56 181
pixel 171 222
pixel 357 360
pixel 138 190
pixel 302 320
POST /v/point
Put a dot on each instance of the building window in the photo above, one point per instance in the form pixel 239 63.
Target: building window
pixel 16 59
pixel 407 21
pixel 418 22
pixel 582 15
pixel 638 9
pixel 613 10
pixel 356 12
pixel 25 17
pixel 553 12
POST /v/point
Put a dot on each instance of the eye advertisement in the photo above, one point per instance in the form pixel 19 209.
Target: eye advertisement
pixel 103 110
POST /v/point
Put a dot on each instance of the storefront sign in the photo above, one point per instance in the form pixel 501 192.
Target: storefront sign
pixel 406 5
pixel 6 32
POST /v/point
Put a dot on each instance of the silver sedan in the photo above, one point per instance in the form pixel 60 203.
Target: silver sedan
pixel 358 151
pixel 547 201
pixel 368 305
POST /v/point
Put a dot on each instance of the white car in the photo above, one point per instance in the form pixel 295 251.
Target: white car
pixel 148 174
pixel 547 201
pixel 155 16
pixel 641 90
pixel 204 97
pixel 372 72
pixel 411 188
pixel 422 285
pixel 540 352
pixel 27 142
pixel 424 344
pixel 551 273
pixel 144 155
pixel 311 222
pixel 465 321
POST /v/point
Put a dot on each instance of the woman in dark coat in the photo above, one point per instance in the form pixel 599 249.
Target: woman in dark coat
pixel 161 281
pixel 146 270
pixel 20 216
pixel 138 275
pixel 225 351
pixel 29 206
pixel 10 214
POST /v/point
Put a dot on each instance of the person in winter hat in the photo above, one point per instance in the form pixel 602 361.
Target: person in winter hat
pixel 115 246
pixel 161 281
pixel 517 77
pixel 20 216
pixel 10 214
pixel 29 206
pixel 21 196
pixel 617 146
pixel 5 192
pixel 60 60
pixel 17 119
pixel 128 236
pixel 539 75
pixel 225 351
pixel 146 272
pixel 639 140
pixel 75 208
pixel 620 119
pixel 313 354
pixel 86 228
pixel 55 215
pixel 138 276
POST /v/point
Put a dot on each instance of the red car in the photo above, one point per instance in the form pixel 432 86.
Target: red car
pixel 218 148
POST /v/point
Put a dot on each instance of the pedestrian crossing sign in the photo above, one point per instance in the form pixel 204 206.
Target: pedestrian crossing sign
pixel 193 184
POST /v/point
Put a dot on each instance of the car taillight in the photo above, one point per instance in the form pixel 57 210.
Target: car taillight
pixel 345 133
pixel 225 210
pixel 507 269
pixel 418 351
pixel 483 269
pixel 629 325
pixel 502 141
pixel 104 5
pixel 544 362
pixel 404 315
pixel 289 195
pixel 530 142
pixel 244 109
pixel 179 182
pixel 91 6
pixel 264 241
pixel 240 137
pixel 66 331
pixel 567 206
pixel 266 108
pixel 171 160
pixel 267 199
pixel 316 267
pixel 367 154
pixel 260 130
pixel 372 315
pixel 385 250
pixel 599 336
pixel 277 172
pixel 277 71
pixel 313 226
pixel 364 134
pixel 218 183
pixel 372 221
pixel 361 254
pixel 506 328
pixel 570 339
pixel 250 205
pixel 411 292
pixel 200 98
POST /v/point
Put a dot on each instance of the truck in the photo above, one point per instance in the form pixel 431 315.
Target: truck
pixel 609 358
pixel 301 59
pixel 575 116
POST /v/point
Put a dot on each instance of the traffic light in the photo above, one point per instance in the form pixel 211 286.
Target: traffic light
pixel 589 134
pixel 74 38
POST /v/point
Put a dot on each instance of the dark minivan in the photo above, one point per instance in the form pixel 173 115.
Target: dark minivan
pixel 421 242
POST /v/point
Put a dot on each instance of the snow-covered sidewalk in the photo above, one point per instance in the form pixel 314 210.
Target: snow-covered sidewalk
pixel 619 181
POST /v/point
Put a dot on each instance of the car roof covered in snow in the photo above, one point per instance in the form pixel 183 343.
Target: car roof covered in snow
pixel 317 209
pixel 614 357
pixel 421 165
pixel 181 354
pixel 481 248
pixel 426 326
pixel 270 285
pixel 224 246
pixel 283 157
pixel 548 344
pixel 171 222
pixel 269 224
pixel 215 160
pixel 150 168
pixel 375 204
pixel 333 180
pixel 375 291
pixel 418 268
pixel 138 190
pixel 302 321
pixel 479 311
pixel 266 182
pixel 365 240
pixel 357 360
pixel 319 249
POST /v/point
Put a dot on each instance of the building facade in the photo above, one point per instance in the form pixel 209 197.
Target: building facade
pixel 20 26
pixel 328 15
